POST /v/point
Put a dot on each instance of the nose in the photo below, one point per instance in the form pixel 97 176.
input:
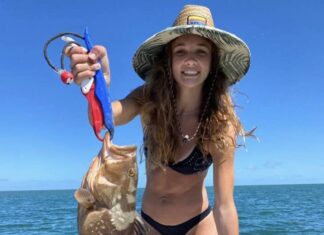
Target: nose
pixel 190 60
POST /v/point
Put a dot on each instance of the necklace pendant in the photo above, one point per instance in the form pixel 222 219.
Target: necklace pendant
pixel 185 139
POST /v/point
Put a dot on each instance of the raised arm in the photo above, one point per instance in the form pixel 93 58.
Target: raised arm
pixel 225 212
pixel 126 109
pixel 84 66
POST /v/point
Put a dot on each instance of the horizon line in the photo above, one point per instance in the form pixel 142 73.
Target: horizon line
pixel 207 186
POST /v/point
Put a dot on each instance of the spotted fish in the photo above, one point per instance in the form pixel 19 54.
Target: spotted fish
pixel 107 196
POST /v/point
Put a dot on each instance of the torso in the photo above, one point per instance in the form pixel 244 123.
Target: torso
pixel 171 197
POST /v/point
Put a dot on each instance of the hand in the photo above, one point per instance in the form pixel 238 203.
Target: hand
pixel 84 65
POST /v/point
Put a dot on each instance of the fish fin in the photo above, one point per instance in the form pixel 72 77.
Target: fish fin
pixel 139 226
pixel 84 198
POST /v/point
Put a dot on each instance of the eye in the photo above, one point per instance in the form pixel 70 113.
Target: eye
pixel 202 52
pixel 179 52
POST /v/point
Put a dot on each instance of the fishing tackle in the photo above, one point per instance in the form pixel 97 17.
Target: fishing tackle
pixel 94 89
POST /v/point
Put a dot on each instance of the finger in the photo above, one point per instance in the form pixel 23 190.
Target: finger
pixel 100 53
pixel 97 52
pixel 74 49
pixel 78 59
pixel 79 77
pixel 85 66
pixel 84 70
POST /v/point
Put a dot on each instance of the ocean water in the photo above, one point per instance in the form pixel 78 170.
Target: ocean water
pixel 264 210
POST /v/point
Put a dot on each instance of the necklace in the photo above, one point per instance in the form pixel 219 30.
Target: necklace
pixel 185 137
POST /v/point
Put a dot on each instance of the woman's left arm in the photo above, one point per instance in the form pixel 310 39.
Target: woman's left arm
pixel 225 213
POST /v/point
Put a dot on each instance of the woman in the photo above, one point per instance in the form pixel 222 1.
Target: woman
pixel 188 120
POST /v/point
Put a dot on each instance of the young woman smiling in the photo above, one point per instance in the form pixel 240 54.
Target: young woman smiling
pixel 188 119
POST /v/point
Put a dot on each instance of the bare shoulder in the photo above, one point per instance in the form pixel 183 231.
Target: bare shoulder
pixel 134 99
pixel 136 95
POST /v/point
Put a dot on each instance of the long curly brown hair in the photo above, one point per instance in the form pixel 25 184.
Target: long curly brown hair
pixel 159 117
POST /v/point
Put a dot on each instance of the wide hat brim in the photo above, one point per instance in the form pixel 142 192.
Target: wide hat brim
pixel 234 54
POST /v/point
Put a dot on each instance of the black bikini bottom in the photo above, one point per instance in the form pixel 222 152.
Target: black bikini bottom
pixel 179 229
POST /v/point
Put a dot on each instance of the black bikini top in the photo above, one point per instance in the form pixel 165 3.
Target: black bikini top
pixel 192 164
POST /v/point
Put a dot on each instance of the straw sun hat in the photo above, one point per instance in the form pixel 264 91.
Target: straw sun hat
pixel 193 19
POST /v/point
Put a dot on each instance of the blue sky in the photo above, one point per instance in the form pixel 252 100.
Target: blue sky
pixel 47 143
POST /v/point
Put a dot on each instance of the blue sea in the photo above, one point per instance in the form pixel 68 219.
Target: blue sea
pixel 266 210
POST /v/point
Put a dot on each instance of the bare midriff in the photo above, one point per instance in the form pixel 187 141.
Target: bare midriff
pixel 172 198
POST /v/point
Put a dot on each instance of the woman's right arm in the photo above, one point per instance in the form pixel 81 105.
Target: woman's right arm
pixel 84 66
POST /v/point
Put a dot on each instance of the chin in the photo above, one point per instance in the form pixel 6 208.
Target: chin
pixel 190 84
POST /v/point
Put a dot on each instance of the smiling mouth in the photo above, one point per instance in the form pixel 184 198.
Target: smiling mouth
pixel 190 73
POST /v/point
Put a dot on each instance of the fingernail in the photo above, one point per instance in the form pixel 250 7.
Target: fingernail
pixel 92 56
pixel 97 66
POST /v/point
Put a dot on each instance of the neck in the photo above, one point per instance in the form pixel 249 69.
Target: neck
pixel 188 101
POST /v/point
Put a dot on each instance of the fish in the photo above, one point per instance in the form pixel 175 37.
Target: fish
pixel 107 195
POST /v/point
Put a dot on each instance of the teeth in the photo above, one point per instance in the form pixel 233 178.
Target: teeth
pixel 190 72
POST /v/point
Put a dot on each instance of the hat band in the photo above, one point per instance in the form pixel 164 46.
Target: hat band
pixel 196 20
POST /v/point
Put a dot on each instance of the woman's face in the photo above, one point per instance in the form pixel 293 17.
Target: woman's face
pixel 191 60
